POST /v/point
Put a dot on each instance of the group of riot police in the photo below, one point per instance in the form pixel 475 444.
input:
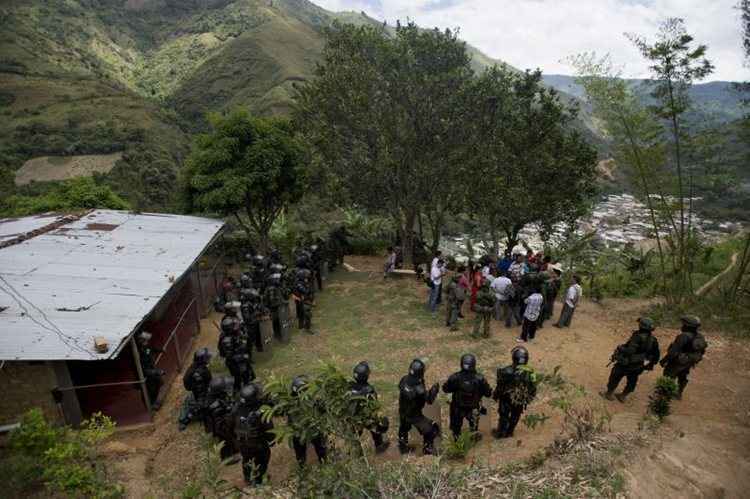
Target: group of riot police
pixel 641 353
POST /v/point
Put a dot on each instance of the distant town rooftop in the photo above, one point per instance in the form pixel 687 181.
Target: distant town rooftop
pixel 65 280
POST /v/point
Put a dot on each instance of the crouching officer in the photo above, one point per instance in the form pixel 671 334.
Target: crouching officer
pixel 318 441
pixel 685 352
pixel 629 359
pixel 360 387
pixel 514 391
pixel 413 396
pixel 196 380
pixel 253 435
pixel 218 416
pixel 468 387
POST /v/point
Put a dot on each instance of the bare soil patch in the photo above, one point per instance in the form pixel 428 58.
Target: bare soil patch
pixel 48 168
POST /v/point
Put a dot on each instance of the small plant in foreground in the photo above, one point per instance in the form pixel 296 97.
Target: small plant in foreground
pixel 660 401
pixel 459 448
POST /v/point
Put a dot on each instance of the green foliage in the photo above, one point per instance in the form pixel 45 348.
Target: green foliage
pixel 74 194
pixel 65 460
pixel 324 406
pixel 533 420
pixel 659 402
pixel 247 168
pixel 459 448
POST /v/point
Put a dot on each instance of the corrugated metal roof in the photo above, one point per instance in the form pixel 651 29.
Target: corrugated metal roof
pixel 118 264
pixel 13 227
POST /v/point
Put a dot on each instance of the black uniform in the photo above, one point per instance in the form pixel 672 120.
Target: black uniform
pixel 151 373
pixel 196 380
pixel 685 352
pixel 234 349
pixel 273 299
pixel 413 396
pixel 629 361
pixel 468 387
pixel 218 415
pixel 316 264
pixel 359 387
pixel 252 435
pixel 304 298
pixel 252 313
pixel 514 391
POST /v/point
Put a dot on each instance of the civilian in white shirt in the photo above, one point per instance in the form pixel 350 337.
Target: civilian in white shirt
pixel 531 315
pixel 572 297
pixel 503 288
pixel 436 278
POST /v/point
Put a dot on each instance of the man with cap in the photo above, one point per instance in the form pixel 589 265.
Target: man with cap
pixel 151 373
pixel 514 391
pixel 413 396
pixel 361 388
pixel 685 352
pixel 253 434
pixel 639 353
pixel 196 380
pixel 467 387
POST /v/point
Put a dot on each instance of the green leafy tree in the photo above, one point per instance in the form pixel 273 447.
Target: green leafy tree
pixel 529 164
pixel 383 113
pixel 676 62
pixel 247 168
pixel 74 194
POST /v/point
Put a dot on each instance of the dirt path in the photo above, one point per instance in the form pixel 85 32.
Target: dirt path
pixel 702 451
pixel 715 279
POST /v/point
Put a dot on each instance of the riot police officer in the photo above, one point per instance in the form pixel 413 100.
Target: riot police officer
pixel 316 265
pixel 453 311
pixel 318 441
pixel 629 359
pixel 360 387
pixel 196 380
pixel 151 373
pixel 235 351
pixel 468 387
pixel 413 396
pixel 273 299
pixel 304 296
pixel 514 391
pixel 218 415
pixel 252 313
pixel 253 435
pixel 259 272
pixel 685 352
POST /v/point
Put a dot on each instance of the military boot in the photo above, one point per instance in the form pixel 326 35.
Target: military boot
pixel 607 395
pixel 621 397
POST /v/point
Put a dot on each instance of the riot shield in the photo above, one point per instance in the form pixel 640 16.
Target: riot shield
pixel 324 270
pixel 266 335
pixel 285 324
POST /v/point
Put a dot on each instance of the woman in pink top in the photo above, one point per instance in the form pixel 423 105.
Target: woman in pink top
pixel 476 284
pixel 465 286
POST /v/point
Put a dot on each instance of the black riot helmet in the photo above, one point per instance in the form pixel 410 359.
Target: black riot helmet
pixel 275 255
pixel 690 323
pixel 362 372
pixel 259 260
pixel 219 385
pixel 299 383
pixel 274 279
pixel 231 308
pixel 250 294
pixel 250 395
pixel 468 363
pixel 646 324
pixel 416 368
pixel 202 356
pixel 245 280
pixel 302 261
pixel 520 356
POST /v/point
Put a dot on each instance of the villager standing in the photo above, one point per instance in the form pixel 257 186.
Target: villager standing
pixel 572 297
pixel 531 315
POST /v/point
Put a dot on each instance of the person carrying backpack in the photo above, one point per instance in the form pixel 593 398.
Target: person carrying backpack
pixel 629 359
pixel 685 352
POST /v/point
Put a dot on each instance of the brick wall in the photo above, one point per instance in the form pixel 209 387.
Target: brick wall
pixel 24 385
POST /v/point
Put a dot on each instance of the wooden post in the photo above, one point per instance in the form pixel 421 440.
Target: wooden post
pixel 139 369
pixel 200 289
pixel 177 349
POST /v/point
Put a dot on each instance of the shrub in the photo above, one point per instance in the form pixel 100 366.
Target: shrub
pixel 660 400
pixel 73 194
pixel 460 447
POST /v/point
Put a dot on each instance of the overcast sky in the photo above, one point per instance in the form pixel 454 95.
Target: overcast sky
pixel 540 33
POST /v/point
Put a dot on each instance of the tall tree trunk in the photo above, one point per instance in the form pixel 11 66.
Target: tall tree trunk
pixel 407 235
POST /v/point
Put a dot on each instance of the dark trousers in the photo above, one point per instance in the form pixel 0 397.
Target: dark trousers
pixel 424 425
pixel 680 374
pixel 276 322
pixel 153 385
pixel 306 316
pixel 460 308
pixel 242 374
pixel 508 416
pixel 319 279
pixel 615 376
pixel 451 320
pixel 300 449
pixel 566 316
pixel 457 416
pixel 528 331
pixel 255 461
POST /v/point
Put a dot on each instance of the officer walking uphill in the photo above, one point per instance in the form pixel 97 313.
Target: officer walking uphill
pixel 514 391
pixel 360 387
pixel 685 352
pixel 629 360
pixel 468 387
pixel 413 396
pixel 253 435
pixel 196 380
